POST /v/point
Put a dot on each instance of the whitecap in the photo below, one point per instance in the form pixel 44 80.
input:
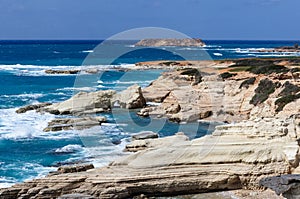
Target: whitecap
pixel 76 89
pixel 87 51
pixel 218 54
pixel 71 148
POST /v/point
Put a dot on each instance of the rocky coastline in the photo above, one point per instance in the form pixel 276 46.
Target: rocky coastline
pixel 258 99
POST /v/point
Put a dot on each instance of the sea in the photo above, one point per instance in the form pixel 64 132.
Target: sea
pixel 27 152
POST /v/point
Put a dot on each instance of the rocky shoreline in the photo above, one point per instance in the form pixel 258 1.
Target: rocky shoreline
pixel 259 99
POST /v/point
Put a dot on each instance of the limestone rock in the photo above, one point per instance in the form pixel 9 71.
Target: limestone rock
pixel 131 98
pixel 74 123
pixel 32 107
pixel 144 135
pixel 174 165
pixel 142 144
pixel 83 101
pixel 75 168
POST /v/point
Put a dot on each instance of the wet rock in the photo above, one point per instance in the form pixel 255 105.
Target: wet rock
pixel 32 107
pixel 74 123
pixel 144 135
pixel 66 72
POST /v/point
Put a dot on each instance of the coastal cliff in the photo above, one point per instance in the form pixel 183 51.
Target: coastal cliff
pixel 259 99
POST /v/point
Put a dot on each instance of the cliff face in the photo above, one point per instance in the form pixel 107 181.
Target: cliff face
pixel 187 95
pixel 171 42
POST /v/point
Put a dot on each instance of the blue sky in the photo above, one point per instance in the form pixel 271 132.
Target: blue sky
pixel 99 19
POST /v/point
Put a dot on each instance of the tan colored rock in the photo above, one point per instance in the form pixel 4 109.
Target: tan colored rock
pixel 83 101
pixel 131 98
pixel 74 123
pixel 32 107
pixel 228 159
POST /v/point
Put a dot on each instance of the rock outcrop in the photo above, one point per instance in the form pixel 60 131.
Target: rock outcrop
pixel 65 72
pixel 32 107
pixel 287 185
pixel 171 42
pixel 84 103
pixel 59 124
pixel 227 159
pixel 131 98
pixel 186 96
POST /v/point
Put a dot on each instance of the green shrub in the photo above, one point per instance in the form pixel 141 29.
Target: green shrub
pixel 281 102
pixel 268 69
pixel 248 82
pixel 289 89
pixel 227 75
pixel 192 72
pixel 262 92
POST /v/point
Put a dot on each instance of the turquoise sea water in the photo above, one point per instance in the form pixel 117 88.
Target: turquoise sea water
pixel 27 152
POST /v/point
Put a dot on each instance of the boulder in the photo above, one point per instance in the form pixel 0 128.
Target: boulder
pixel 83 101
pixel 131 98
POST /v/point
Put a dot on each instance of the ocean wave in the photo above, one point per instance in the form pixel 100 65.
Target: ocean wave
pixel 25 95
pixel 130 46
pixel 39 70
pixel 29 125
pixel 129 82
pixel 28 170
pixel 77 89
pixel 71 148
pixel 87 51
pixel 218 54
pixel 7 181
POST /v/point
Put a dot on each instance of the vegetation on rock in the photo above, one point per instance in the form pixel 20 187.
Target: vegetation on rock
pixel 262 92
pixel 248 82
pixel 281 102
pixel 287 95
pixel 227 75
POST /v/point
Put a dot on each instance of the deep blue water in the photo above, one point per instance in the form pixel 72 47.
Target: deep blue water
pixel 26 151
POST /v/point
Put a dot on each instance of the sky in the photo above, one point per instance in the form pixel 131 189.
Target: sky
pixel 100 19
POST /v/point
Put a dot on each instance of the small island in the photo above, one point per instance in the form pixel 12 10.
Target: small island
pixel 186 42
